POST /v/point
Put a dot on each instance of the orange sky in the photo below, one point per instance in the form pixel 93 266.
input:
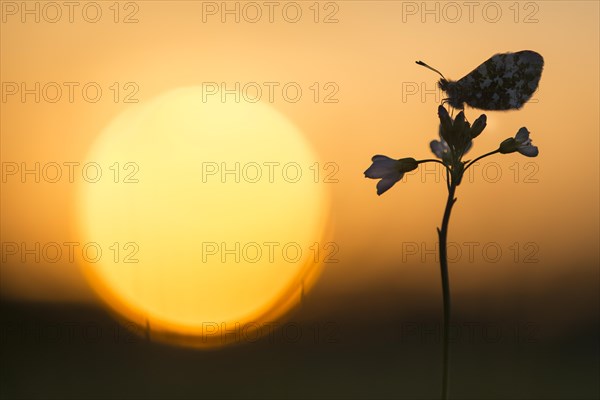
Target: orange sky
pixel 369 55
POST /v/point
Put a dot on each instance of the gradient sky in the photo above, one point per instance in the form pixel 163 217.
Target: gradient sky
pixel 369 54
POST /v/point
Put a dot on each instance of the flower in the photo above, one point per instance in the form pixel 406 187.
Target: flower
pixel 520 143
pixel 389 171
pixel 458 133
pixel 442 151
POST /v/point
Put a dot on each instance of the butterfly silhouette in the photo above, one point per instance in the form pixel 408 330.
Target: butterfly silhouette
pixel 505 81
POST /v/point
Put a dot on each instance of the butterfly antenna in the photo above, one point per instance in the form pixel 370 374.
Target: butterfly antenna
pixel 433 69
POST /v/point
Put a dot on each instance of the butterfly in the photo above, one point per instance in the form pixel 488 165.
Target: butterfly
pixel 506 81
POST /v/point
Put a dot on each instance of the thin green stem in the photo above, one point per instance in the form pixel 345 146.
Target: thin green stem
pixel 480 157
pixel 443 235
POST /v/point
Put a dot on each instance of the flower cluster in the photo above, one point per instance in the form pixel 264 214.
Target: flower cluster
pixel 456 139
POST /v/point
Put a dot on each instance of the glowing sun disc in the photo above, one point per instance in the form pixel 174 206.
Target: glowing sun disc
pixel 208 215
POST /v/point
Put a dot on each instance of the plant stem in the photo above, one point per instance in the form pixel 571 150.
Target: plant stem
pixel 432 160
pixel 443 234
pixel 480 157
pixel 439 162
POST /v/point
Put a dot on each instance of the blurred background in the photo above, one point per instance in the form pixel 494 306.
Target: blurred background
pixel 364 324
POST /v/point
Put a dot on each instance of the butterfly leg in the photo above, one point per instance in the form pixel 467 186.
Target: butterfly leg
pixel 446 100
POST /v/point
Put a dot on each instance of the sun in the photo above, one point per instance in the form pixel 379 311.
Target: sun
pixel 208 219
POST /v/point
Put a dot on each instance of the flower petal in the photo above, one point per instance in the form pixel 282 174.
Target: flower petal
pixel 379 157
pixel 382 166
pixel 437 148
pixel 522 135
pixel 386 183
pixel 468 147
pixel 529 151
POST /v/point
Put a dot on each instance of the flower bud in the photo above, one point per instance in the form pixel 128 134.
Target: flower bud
pixel 509 145
pixel 407 164
pixel 460 124
pixel 445 123
pixel 478 126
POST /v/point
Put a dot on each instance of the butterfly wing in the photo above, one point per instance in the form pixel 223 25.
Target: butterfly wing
pixel 504 82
